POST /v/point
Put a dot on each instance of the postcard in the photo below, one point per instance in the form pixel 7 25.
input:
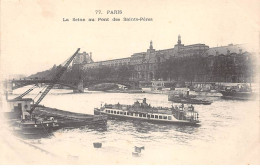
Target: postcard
pixel 140 82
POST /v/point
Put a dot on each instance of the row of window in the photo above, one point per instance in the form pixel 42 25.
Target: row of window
pixel 163 117
pixel 143 67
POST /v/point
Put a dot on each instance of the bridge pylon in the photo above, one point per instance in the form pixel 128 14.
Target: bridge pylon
pixel 8 87
pixel 80 88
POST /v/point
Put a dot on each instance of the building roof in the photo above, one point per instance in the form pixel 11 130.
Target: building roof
pixel 237 48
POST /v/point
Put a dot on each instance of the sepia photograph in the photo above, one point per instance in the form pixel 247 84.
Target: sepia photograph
pixel 140 82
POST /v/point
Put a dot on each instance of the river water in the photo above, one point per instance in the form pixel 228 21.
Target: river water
pixel 228 134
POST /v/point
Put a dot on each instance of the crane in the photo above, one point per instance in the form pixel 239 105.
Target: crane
pixel 55 79
pixel 25 93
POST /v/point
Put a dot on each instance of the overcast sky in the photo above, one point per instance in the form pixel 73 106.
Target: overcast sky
pixel 34 37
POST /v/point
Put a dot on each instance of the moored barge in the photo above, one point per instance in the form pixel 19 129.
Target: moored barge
pixel 67 119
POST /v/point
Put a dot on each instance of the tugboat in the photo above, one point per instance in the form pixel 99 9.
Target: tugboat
pixel 25 124
pixel 239 92
pixel 178 96
pixel 184 115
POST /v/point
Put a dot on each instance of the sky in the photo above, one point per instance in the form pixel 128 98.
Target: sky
pixel 34 37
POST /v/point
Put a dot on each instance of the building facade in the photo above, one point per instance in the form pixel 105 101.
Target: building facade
pixel 83 58
pixel 145 64
pixel 110 63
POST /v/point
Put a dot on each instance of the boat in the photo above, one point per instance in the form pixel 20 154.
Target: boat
pixel 29 122
pixel 180 96
pixel 184 115
pixel 208 93
pixel 35 127
pixel 209 89
pixel 25 124
pixel 239 92
pixel 66 119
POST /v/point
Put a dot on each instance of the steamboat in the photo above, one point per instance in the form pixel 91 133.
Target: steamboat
pixel 184 115
pixel 179 96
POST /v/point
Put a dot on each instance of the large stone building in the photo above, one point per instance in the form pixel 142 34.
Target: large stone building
pixel 82 59
pixel 229 62
pixel 111 63
pixel 145 64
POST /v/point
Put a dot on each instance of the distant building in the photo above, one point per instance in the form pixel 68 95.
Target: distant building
pixel 111 63
pixel 226 50
pixel 145 64
pixel 231 57
pixel 83 58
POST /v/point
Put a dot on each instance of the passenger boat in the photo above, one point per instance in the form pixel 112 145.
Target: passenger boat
pixel 142 111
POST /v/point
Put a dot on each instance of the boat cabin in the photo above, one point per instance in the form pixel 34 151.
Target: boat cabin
pixel 180 93
pixel 139 114
pixel 19 108
pixel 145 111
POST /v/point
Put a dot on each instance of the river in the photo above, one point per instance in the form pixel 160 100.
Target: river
pixel 228 134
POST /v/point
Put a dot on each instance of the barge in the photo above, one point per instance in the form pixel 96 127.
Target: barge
pixel 66 119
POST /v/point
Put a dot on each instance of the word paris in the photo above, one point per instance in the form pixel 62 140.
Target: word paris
pixel 112 12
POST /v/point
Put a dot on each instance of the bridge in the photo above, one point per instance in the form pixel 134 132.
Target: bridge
pixel 21 83
pixel 127 83
pixel 77 86
pixel 11 85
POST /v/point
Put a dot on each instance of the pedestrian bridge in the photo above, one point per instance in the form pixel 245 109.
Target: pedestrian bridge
pixel 15 84
pixel 75 85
